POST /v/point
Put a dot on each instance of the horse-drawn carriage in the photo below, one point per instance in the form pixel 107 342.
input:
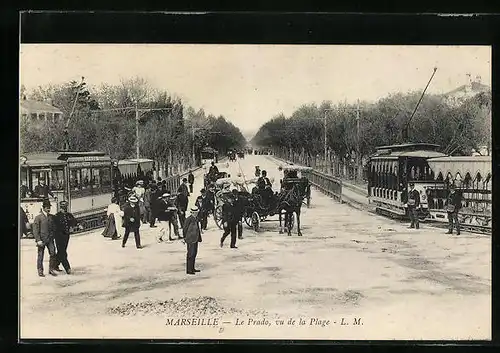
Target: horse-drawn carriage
pixel 296 174
pixel 260 204
pixel 213 178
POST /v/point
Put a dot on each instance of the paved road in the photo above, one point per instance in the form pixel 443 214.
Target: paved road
pixel 350 264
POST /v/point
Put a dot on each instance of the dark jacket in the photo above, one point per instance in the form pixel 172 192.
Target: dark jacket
pixel 262 182
pixel 213 170
pixel 130 213
pixel 24 220
pixel 43 191
pixel 191 230
pixel 182 202
pixel 148 194
pixel 43 227
pixel 415 196
pixel 455 199
pixel 63 222
pixel 191 178
pixel 183 189
pixel 228 213
pixel 238 208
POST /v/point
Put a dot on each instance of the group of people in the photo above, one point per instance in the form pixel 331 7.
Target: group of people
pixel 51 232
pixel 453 205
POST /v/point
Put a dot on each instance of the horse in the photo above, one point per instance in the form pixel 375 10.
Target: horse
pixel 290 200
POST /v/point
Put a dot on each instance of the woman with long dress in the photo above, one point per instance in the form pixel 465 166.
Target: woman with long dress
pixel 114 228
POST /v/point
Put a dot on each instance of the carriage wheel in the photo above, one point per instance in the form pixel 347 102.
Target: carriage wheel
pixel 248 220
pixel 218 216
pixel 255 221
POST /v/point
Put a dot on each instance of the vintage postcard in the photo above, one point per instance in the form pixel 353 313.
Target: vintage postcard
pixel 189 191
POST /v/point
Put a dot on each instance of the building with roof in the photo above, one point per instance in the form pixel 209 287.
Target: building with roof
pixel 466 91
pixel 39 111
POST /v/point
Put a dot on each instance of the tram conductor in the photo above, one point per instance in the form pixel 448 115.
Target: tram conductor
pixel 453 205
pixel 64 220
pixel 413 205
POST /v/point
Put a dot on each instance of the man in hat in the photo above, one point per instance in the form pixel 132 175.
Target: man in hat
pixel 192 236
pixel 181 203
pixel 132 221
pixel 213 171
pixel 413 205
pixel 265 188
pixel 204 205
pixel 239 210
pixel 63 220
pixel 453 205
pixel 148 194
pixel 257 171
pixel 229 222
pixel 191 181
pixel 43 190
pixel 43 231
pixel 139 192
pixel 168 213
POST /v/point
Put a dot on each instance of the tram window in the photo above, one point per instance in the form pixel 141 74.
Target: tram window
pixel 103 176
pixel 74 179
pixel 57 180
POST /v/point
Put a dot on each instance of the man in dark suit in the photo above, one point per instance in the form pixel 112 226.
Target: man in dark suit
pixel 43 231
pixel 43 190
pixel 63 222
pixel 203 204
pixel 413 205
pixel 229 223
pixel 132 221
pixel 453 205
pixel 191 181
pixel 181 203
pixel 239 210
pixel 192 236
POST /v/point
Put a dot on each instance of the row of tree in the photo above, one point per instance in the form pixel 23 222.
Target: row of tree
pixel 459 130
pixel 104 119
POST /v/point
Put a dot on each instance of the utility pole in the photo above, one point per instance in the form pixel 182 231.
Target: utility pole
pixel 137 133
pixel 358 152
pixel 325 140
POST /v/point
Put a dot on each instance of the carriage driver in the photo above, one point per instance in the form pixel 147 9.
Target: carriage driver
pixel 265 188
pixel 413 205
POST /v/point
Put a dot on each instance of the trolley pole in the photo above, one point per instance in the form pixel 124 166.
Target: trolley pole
pixel 137 153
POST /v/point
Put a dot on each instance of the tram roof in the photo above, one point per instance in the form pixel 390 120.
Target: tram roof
pixel 420 153
pixel 461 165
pixel 42 159
pixel 410 147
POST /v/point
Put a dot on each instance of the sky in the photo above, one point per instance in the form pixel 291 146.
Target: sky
pixel 249 84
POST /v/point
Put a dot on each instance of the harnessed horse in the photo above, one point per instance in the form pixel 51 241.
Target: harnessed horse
pixel 290 200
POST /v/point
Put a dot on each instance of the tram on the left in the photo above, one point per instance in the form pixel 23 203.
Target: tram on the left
pixel 83 179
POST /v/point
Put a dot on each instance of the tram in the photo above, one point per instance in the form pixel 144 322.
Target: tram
pixel 390 170
pixel 208 155
pixel 471 176
pixel 83 179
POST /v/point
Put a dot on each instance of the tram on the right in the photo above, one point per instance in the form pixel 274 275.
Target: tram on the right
pixel 392 168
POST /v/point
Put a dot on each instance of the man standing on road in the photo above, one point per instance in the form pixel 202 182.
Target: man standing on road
pixel 229 223
pixel 413 205
pixel 191 181
pixel 192 236
pixel 43 231
pixel 453 205
pixel 203 204
pixel 132 221
pixel 63 222
pixel 239 210
pixel 182 205
pixel 147 203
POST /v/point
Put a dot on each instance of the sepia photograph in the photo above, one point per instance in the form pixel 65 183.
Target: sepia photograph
pixel 284 192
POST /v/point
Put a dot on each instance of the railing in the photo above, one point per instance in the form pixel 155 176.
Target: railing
pixel 326 183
